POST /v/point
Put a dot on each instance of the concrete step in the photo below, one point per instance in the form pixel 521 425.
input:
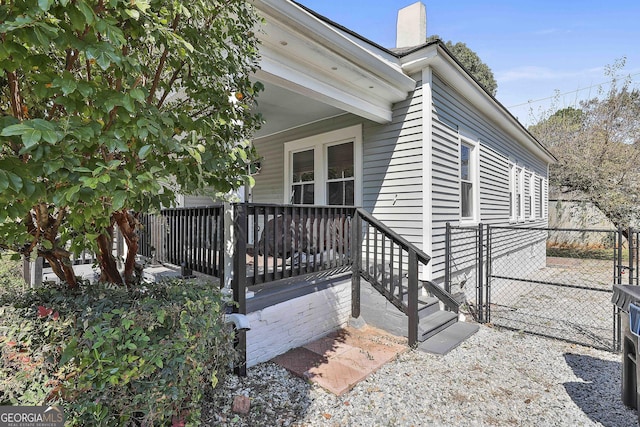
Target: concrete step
pixel 434 323
pixel 449 338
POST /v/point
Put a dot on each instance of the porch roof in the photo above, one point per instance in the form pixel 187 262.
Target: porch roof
pixel 313 69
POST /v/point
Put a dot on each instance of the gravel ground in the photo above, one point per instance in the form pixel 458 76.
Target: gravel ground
pixel 495 378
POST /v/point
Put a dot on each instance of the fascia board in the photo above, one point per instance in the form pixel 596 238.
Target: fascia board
pixel 308 57
pixel 456 77
pixel 305 84
pixel 324 34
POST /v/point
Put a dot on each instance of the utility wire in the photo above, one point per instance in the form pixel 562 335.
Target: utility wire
pixel 570 92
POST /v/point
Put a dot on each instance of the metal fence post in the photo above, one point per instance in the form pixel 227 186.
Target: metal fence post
pixel 447 258
pixel 488 267
pixel 631 246
pixel 479 275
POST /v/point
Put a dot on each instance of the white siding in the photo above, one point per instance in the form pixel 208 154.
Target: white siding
pixel 452 115
pixel 393 179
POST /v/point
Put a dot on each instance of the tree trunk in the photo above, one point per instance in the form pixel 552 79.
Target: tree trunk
pixel 61 266
pixel 108 268
pixel 128 224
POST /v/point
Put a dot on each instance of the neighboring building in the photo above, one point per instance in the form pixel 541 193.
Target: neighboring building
pixel 405 133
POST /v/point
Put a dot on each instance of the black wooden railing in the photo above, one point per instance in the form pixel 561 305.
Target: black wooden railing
pixel 390 263
pixel 188 237
pixel 292 240
pixel 274 242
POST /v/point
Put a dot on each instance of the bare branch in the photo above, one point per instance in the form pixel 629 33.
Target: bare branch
pixel 163 60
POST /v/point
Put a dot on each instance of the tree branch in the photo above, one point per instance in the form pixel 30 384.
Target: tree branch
pixel 14 94
pixel 173 79
pixel 163 60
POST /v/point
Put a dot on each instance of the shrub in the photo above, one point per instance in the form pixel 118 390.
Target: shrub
pixel 112 356
pixel 10 272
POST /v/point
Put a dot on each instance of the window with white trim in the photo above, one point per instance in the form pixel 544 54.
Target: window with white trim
pixel 469 181
pixel 325 169
pixel 520 192
pixel 513 212
pixel 530 200
pixel 539 197
pixel 302 179
pixel 340 177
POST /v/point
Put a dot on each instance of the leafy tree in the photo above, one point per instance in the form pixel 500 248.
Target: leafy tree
pixel 111 107
pixel 472 62
pixel 598 150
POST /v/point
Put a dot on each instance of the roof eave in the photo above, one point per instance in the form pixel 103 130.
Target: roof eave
pixel 436 56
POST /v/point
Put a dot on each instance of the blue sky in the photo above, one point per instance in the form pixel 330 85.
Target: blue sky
pixel 535 48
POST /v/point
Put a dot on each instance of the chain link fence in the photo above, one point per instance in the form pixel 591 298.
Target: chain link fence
pixel 550 282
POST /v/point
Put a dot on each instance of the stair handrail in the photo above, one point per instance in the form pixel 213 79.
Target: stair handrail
pixel 442 295
pixel 398 239
pixel 415 256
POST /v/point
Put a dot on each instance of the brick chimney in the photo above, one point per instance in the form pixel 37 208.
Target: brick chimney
pixel 411 29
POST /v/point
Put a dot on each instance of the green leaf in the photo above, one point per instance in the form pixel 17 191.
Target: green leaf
pixel 72 192
pixel 30 138
pixel 132 13
pixel 144 152
pixel 127 103
pixel 69 352
pixel 137 94
pixel 66 82
pixel 86 11
pixel 47 244
pixel 45 4
pixel 15 182
pixel 4 181
pixel 15 130
pixel 119 198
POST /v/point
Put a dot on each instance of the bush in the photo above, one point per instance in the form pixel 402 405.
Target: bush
pixel 112 356
pixel 10 272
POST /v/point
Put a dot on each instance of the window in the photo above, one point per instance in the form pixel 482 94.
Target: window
pixel 302 181
pixel 516 193
pixel 466 183
pixel 519 193
pixel 539 197
pixel 340 178
pixel 513 215
pixel 324 169
pixel 530 211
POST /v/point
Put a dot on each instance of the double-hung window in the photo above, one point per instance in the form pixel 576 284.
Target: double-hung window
pixel 469 180
pixel 340 177
pixel 302 179
pixel 325 169
pixel 466 183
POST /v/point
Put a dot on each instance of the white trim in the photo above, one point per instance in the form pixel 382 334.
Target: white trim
pixel 456 77
pixel 427 164
pixel 471 141
pixel 520 171
pixel 532 195
pixel 319 144
pixel 513 217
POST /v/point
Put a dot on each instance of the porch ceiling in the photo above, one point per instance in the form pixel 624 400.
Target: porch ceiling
pixel 283 109
pixel 313 69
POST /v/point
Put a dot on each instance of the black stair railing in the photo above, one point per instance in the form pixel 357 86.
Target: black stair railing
pixel 389 262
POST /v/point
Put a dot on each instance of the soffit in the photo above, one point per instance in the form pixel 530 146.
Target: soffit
pixel 307 56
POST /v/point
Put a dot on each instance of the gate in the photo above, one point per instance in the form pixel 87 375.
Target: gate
pixel 555 283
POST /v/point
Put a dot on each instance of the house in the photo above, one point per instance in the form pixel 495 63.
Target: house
pixel 405 133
